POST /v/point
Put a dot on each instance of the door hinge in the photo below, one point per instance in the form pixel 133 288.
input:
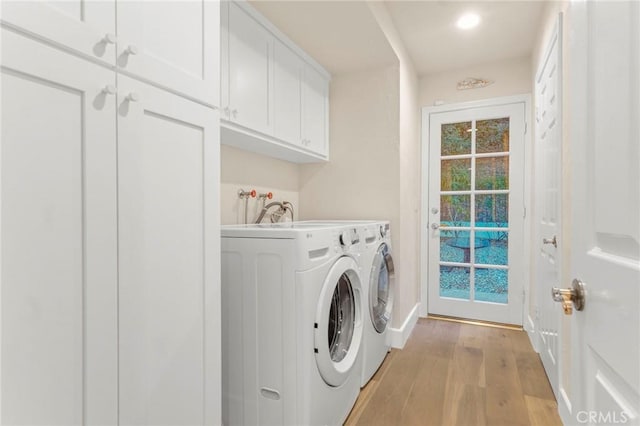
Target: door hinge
pixel 524 212
pixel 526 125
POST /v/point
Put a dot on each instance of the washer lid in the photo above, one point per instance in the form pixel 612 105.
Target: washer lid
pixel 381 286
pixel 338 326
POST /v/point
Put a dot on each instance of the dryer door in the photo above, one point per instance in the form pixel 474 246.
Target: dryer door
pixel 338 327
pixel 381 288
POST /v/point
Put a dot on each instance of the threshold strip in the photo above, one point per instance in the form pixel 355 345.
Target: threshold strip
pixel 475 322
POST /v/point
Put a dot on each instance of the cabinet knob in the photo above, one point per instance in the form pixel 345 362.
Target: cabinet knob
pixel 132 49
pixel 109 89
pixel 110 38
pixel 133 97
pixel 234 113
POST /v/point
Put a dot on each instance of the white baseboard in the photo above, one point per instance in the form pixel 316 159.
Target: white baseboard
pixel 530 328
pixel 399 336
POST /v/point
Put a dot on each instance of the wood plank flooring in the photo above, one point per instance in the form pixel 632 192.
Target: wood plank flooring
pixel 451 373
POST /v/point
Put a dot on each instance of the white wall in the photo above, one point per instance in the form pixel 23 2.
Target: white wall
pixel 361 180
pixel 511 77
pixel 246 170
pixel 407 255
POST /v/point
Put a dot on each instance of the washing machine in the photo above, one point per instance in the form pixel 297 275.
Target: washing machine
pixel 378 289
pixel 292 323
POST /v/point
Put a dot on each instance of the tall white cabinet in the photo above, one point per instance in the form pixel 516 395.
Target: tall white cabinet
pixel 109 216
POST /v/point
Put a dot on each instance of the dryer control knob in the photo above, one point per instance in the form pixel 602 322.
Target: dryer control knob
pixel 383 231
pixel 345 239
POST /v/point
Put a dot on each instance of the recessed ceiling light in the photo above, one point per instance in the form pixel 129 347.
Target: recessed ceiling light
pixel 468 21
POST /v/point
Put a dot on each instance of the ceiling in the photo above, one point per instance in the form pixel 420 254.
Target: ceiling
pixel 344 37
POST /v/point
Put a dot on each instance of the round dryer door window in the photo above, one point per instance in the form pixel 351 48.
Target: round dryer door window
pixel 338 328
pixel 381 288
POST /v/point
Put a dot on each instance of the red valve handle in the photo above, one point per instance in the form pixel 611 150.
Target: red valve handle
pixel 269 195
pixel 253 193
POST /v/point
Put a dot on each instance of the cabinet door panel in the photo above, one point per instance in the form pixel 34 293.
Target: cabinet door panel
pixel 178 45
pixel 79 25
pixel 58 232
pixel 315 110
pixel 168 166
pixel 287 94
pixel 250 72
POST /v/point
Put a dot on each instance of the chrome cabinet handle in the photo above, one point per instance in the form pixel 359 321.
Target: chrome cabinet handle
pixel 133 97
pixel 109 89
pixel 551 241
pixel 132 50
pixel 109 38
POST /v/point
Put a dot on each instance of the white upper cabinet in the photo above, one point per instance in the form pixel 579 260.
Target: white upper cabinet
pixel 173 44
pixel 87 27
pixel 315 108
pixel 247 71
pixel 288 94
pixel 274 97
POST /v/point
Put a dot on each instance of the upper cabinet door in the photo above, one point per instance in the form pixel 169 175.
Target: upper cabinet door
pixel 315 111
pixel 287 94
pixel 87 27
pixel 173 44
pixel 58 236
pixel 250 72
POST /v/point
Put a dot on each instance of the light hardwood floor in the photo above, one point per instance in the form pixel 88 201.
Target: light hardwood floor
pixel 459 374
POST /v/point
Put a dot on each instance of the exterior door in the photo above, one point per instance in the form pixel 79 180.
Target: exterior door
pixel 476 213
pixel 605 196
pixel 546 215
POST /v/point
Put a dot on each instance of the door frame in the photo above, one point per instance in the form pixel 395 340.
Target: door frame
pixel 427 111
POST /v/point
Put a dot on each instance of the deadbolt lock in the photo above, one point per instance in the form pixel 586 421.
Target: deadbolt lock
pixel 570 297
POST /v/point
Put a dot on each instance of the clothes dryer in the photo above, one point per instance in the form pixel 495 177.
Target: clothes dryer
pixel 291 323
pixel 378 289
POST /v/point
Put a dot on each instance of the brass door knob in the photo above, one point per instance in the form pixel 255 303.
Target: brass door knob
pixel 570 297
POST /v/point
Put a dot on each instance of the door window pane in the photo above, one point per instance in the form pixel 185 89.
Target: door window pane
pixel 492 173
pixel 492 210
pixel 455 210
pixel 491 285
pixel 456 138
pixel 454 282
pixel 455 175
pixel 452 246
pixel 492 247
pixel 492 135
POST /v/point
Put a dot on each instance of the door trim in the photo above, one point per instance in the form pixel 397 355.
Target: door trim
pixel 427 111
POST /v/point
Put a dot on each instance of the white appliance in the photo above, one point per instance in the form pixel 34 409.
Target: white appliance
pixel 377 295
pixel 291 323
